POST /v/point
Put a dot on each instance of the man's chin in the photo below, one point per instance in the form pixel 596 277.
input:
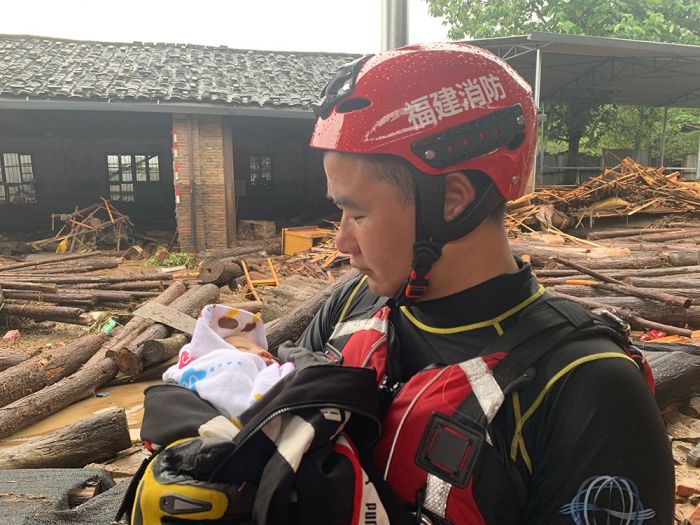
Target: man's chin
pixel 381 288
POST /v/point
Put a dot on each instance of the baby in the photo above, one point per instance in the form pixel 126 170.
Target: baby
pixel 227 362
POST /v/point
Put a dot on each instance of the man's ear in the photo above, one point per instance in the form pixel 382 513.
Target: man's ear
pixel 459 193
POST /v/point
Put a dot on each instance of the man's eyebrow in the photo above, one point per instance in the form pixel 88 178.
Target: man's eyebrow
pixel 344 202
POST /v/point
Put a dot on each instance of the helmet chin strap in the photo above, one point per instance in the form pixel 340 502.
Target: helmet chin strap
pixel 433 232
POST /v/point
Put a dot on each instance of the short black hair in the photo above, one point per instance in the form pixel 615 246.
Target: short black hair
pixel 401 174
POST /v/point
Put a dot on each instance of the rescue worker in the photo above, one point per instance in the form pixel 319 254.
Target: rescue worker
pixel 423 146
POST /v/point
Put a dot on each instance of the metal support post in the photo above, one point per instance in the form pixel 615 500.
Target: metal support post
pixel 394 24
pixel 663 137
pixel 538 82
pixel 697 168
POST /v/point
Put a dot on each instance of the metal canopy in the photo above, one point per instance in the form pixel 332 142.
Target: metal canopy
pixel 616 71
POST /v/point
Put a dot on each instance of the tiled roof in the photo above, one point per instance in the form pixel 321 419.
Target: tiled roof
pixel 39 67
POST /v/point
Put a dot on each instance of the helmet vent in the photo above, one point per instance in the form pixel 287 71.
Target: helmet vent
pixel 354 104
pixel 517 140
pixel 472 139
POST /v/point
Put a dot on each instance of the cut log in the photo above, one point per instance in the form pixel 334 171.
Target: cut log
pixel 652 236
pixel 115 296
pixel 49 261
pixel 10 360
pixel 11 284
pixel 137 285
pixel 632 310
pixel 78 299
pixel 661 282
pixel 249 306
pixel 84 279
pixel 657 348
pixel 617 274
pixel 540 255
pixel 51 399
pixel 154 373
pixel 594 290
pixel 130 358
pixel 660 296
pixel 112 295
pixel 96 264
pixel 156 351
pixel 124 335
pixel 292 324
pixel 677 376
pixel 619 287
pixel 67 447
pixel 35 311
pixel 47 368
pixel 623 232
pixel 81 321
pixel 668 282
pixel 271 247
pixel 585 270
pixel 219 271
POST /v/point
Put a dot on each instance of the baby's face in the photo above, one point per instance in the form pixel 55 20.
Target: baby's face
pixel 244 344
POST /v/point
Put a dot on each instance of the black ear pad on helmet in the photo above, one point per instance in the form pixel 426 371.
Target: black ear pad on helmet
pixel 430 207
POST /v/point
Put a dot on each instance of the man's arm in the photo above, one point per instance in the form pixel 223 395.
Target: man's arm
pixel 600 450
pixel 321 326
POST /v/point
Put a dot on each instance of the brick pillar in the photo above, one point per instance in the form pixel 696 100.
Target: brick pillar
pixel 200 182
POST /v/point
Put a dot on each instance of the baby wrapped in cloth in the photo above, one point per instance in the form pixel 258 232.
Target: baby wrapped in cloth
pixel 228 377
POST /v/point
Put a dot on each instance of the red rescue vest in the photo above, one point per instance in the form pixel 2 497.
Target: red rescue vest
pixel 418 431
pixel 435 390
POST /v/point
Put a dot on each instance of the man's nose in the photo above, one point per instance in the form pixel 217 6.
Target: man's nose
pixel 344 240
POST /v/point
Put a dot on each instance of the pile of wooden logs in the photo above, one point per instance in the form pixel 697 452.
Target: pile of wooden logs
pixel 62 288
pixel 317 261
pixel 223 267
pixel 656 274
pixel 44 384
pixel 97 225
pixel 626 190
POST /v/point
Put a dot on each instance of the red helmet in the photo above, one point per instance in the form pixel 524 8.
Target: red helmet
pixel 443 107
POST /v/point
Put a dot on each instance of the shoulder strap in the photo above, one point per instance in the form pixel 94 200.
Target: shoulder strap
pixel 538 332
pixel 541 327
pixel 359 299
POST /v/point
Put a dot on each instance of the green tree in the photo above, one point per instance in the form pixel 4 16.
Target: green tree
pixel 654 20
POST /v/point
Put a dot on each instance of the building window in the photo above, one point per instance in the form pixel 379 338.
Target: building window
pixel 260 170
pixel 16 179
pixel 125 169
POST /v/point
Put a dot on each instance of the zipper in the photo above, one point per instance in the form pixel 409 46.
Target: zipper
pixel 169 383
pixel 284 410
pixel 372 350
pixel 405 417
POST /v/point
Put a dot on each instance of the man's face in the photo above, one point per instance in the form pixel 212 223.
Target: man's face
pixel 377 228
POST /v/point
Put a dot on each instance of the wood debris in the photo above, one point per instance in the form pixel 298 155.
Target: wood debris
pixel 316 261
pixel 623 191
pixel 95 226
pixel 64 287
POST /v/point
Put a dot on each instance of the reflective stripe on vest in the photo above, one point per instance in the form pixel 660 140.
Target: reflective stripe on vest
pixel 440 390
pixel 367 346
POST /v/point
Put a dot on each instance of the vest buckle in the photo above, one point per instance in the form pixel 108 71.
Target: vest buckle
pixel 449 449
pixel 333 354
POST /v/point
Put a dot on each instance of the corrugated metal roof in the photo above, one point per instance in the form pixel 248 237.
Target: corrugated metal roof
pixel 608 70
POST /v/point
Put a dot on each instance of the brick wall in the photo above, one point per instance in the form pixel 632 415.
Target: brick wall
pixel 200 172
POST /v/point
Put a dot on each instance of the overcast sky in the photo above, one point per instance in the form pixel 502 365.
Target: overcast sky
pixel 295 25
